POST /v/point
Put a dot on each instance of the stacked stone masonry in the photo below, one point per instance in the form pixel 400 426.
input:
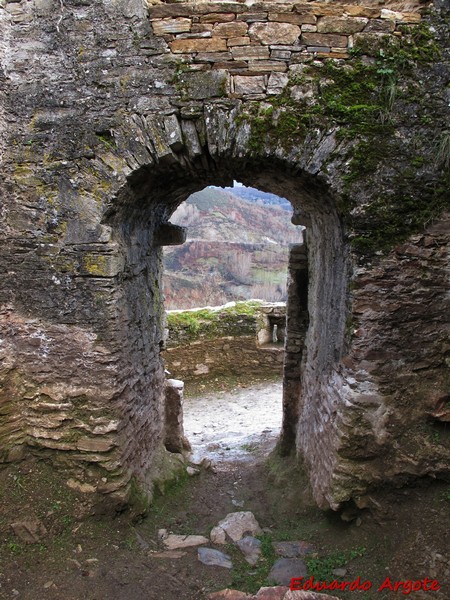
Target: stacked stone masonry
pixel 223 356
pixel 239 353
pixel 112 113
pixel 258 44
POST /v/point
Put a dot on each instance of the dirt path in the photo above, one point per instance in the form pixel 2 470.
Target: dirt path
pixel 83 558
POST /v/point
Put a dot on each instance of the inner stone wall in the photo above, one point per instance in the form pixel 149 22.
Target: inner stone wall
pixel 224 341
pixel 112 114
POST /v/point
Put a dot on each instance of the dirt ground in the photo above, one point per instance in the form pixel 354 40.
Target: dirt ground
pixel 87 558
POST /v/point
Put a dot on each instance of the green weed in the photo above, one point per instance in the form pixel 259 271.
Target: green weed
pixel 14 547
pixel 322 567
pixel 250 578
pixel 249 447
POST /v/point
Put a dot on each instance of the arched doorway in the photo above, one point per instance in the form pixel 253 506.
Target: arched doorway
pixel 225 292
pixel 141 220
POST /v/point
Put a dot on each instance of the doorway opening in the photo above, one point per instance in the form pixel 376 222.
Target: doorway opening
pixel 316 306
pixel 237 248
pixel 228 282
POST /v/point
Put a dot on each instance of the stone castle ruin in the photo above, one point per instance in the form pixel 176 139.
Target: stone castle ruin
pixel 112 112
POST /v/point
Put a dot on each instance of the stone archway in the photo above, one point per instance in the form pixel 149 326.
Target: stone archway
pixel 140 220
pixel 119 124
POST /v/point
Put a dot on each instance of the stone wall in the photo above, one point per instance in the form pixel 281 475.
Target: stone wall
pixel 208 351
pixel 258 44
pixel 224 356
pixel 112 114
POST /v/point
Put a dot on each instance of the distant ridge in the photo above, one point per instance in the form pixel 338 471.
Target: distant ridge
pixel 253 195
pixel 237 248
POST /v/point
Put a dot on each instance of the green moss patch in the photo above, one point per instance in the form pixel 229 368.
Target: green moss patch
pixel 378 104
pixel 208 323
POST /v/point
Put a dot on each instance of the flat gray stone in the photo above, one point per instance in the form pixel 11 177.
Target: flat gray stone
pixel 250 548
pixel 285 569
pixel 340 572
pixel 209 556
pixel 292 549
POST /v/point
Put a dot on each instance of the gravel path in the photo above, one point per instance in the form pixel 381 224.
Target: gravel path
pixel 233 426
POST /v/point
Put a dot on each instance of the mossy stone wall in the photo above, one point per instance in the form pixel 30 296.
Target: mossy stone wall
pixel 112 113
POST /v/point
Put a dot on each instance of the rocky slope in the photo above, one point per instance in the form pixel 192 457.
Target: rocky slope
pixel 237 248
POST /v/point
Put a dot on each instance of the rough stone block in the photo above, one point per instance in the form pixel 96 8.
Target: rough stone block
pixel 274 33
pixel 337 53
pixel 201 85
pixel 239 41
pixel 249 84
pixel 201 27
pixel 284 48
pixel 321 9
pixel 294 18
pixel 392 15
pixel 320 49
pixel 210 556
pixel 218 18
pixel 191 140
pixel 280 54
pixel 341 25
pixel 229 594
pixel 188 36
pixel 230 30
pixel 277 83
pixel 267 66
pixel 200 8
pixel 174 541
pixel 173 131
pixel 250 52
pixel 250 548
pixel 285 569
pixel 236 525
pixel 379 26
pixel 233 66
pixel 212 56
pixel 410 17
pixel 325 39
pixel 253 17
pixel 362 11
pixel 178 25
pixel 198 45
pixel 175 440
pixel 169 10
pixel 169 234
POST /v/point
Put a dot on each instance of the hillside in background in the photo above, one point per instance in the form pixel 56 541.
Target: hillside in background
pixel 237 248
pixel 258 197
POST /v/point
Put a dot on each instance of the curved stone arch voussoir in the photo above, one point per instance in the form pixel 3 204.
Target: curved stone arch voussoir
pixel 139 213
